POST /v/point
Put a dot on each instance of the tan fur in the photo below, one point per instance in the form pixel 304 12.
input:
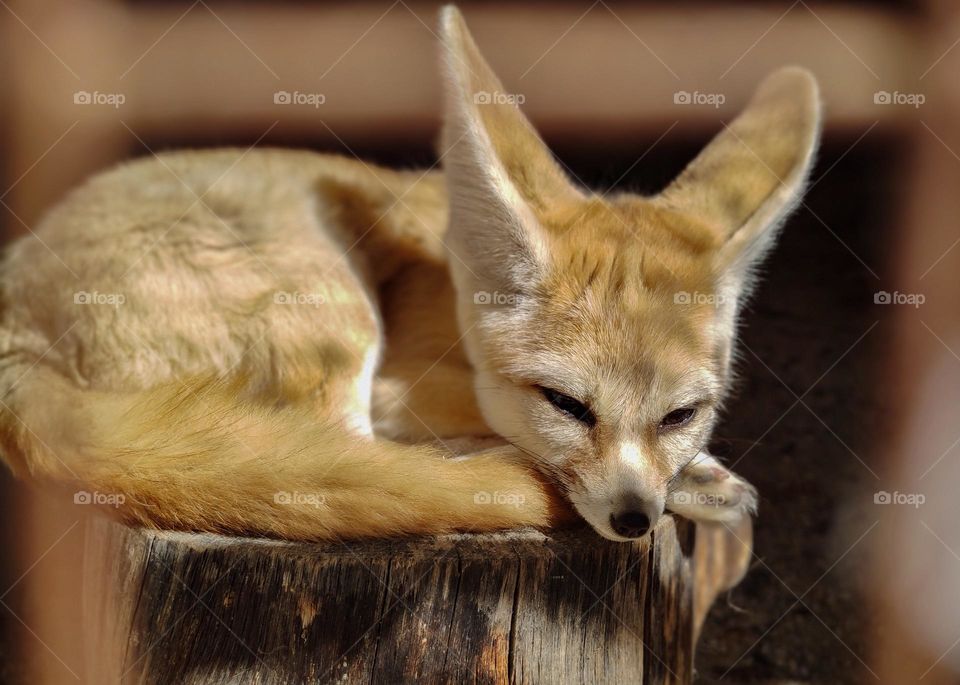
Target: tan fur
pixel 192 457
pixel 301 325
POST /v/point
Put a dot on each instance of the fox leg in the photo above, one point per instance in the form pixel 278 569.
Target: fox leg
pixel 707 491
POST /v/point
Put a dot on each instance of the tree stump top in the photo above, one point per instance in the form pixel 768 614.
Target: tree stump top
pixel 521 607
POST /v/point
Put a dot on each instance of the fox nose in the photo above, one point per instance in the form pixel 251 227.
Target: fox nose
pixel 630 524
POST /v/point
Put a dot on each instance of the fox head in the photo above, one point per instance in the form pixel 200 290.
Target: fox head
pixel 601 328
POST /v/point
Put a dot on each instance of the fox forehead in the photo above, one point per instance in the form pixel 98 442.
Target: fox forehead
pixel 629 244
pixel 617 286
pixel 628 213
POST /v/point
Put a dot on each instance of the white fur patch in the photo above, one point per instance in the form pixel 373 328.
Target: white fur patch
pixel 630 456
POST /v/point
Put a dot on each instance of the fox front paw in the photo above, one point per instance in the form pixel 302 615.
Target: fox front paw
pixel 708 491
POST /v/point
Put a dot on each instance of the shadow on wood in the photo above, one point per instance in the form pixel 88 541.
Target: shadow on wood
pixel 514 608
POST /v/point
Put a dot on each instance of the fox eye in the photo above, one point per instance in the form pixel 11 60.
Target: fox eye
pixel 677 417
pixel 568 405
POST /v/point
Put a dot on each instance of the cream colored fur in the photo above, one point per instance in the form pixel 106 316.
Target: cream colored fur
pixel 281 343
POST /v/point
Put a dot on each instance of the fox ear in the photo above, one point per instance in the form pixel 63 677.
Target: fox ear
pixel 752 175
pixel 499 172
pixel 746 182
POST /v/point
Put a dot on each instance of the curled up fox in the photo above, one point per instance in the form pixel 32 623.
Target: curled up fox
pixel 291 344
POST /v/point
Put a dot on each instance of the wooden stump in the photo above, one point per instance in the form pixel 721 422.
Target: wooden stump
pixel 515 608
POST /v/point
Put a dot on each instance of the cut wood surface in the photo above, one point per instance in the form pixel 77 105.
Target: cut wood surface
pixel 166 607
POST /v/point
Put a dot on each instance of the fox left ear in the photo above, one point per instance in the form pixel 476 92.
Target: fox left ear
pixel 752 175
pixel 499 172
pixel 748 180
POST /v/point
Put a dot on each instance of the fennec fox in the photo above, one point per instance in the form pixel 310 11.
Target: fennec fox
pixel 282 343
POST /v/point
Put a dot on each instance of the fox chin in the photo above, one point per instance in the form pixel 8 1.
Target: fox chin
pixel 293 345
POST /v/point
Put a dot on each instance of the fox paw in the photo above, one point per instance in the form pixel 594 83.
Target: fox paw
pixel 708 491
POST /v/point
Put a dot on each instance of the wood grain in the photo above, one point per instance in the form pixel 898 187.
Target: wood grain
pixel 520 608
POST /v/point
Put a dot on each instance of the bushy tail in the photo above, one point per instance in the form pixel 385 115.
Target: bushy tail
pixel 194 457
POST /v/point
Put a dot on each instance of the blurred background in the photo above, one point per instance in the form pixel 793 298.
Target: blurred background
pixel 846 412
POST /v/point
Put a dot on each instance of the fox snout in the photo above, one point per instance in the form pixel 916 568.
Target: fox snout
pixel 633 523
pixel 619 515
pixel 634 517
pixel 623 498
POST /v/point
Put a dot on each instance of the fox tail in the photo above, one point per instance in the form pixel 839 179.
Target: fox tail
pixel 196 457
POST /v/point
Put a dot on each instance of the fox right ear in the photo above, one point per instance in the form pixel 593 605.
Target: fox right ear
pixel 499 172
